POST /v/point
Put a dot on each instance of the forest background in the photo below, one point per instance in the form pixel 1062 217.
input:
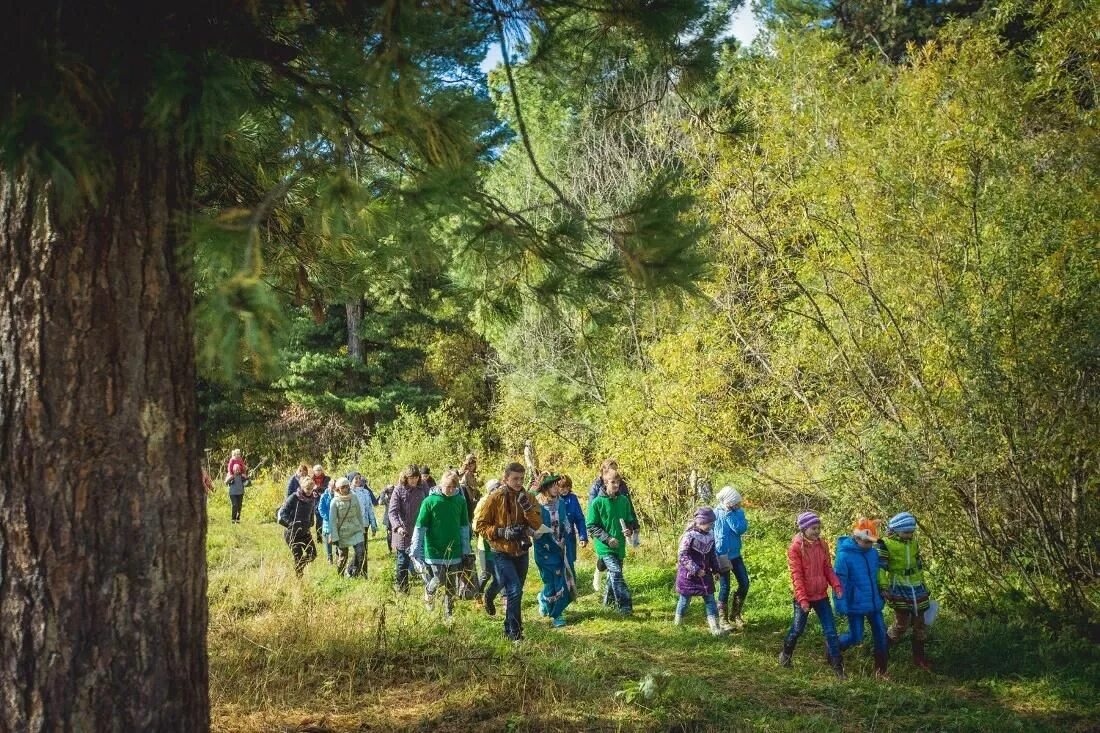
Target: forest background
pixel 852 267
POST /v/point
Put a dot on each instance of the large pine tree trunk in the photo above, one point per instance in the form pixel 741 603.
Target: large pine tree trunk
pixel 102 516
pixel 355 319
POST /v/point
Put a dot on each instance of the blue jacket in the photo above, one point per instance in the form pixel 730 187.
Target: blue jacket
pixel 576 515
pixel 548 553
pixel 323 505
pixel 858 572
pixel 728 528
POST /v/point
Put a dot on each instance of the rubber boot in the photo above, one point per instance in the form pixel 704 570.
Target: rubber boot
pixel 715 627
pixel 787 654
pixel 723 617
pixel 881 658
pixel 735 612
pixel 837 663
pixel 918 655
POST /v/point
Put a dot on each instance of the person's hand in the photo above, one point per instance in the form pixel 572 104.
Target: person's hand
pixel 613 543
pixel 628 532
pixel 584 543
pixel 839 592
pixel 701 573
pixel 805 606
pixel 400 531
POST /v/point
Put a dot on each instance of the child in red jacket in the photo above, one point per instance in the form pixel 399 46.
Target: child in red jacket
pixel 811 576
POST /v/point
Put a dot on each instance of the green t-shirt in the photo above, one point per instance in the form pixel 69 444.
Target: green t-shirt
pixel 442 519
pixel 606 512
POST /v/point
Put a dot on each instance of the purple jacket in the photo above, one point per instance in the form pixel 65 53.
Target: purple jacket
pixel 696 553
pixel 402 512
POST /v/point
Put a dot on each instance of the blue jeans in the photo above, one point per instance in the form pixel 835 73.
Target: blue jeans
pixel 616 590
pixel 402 565
pixel 511 573
pixel 708 601
pixel 824 611
pixel 855 630
pixel 571 552
pixel 738 571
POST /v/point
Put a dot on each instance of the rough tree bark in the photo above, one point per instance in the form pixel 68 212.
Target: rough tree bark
pixel 102 518
pixel 355 318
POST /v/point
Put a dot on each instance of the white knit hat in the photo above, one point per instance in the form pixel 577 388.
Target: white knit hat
pixel 729 496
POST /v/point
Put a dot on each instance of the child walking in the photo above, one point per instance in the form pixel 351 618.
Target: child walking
pixel 558 589
pixel 857 568
pixel 901 580
pixel 236 482
pixel 698 562
pixel 441 540
pixel 811 576
pixel 610 521
pixel 729 524
pixel 577 528
pixel 346 527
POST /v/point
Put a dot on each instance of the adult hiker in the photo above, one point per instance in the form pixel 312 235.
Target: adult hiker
pixel 362 491
pixel 298 515
pixel 901 580
pixel 324 505
pixel 729 524
pixel 408 495
pixel 558 587
pixel 857 567
pixel 236 482
pixel 504 522
pixel 346 528
pixel 298 479
pixel 321 484
pixel 610 519
pixel 426 478
pixel 441 540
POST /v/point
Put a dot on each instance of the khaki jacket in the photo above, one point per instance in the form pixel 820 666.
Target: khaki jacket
pixel 503 508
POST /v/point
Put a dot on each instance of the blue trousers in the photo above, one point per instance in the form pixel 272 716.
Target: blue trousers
pixel 402 565
pixel 738 571
pixel 554 597
pixel 511 573
pixel 708 601
pixel 571 552
pixel 616 591
pixel 824 611
pixel 855 630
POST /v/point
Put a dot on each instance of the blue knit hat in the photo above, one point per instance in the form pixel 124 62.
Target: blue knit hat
pixel 904 522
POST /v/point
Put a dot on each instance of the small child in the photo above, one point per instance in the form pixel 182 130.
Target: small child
pixel 729 524
pixel 558 588
pixel 610 521
pixel 235 460
pixel 346 529
pixel 857 564
pixel 811 576
pixel 236 482
pixel 698 562
pixel 441 540
pixel 576 529
pixel 901 580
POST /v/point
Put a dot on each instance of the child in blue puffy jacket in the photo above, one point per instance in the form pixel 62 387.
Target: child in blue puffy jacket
pixel 857 564
pixel 729 524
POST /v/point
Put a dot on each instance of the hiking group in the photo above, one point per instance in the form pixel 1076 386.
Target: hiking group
pixel 466 544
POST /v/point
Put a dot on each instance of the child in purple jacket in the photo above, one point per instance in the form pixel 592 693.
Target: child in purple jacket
pixel 698 562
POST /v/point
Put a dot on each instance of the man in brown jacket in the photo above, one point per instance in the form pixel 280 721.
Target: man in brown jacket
pixel 505 520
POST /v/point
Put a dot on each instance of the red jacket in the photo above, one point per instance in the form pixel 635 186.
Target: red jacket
pixel 811 570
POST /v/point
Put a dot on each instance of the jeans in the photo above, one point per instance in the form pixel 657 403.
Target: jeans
pixel 824 611
pixel 708 601
pixel 738 571
pixel 616 590
pixel 402 563
pixel 235 501
pixel 300 542
pixel 445 577
pixel 358 560
pixel 511 573
pixel 571 552
pixel 855 630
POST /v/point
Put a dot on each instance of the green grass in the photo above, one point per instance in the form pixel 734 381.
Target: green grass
pixel 333 654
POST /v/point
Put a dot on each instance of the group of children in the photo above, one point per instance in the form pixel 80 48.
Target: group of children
pixel 469 544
